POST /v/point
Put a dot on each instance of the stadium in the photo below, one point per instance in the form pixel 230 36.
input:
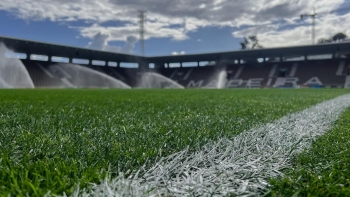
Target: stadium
pixel 323 65
pixel 77 121
pixel 49 66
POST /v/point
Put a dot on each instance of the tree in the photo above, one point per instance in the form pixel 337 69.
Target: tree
pixel 339 37
pixel 251 42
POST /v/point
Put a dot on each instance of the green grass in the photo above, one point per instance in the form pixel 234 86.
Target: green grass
pixel 324 170
pixel 52 140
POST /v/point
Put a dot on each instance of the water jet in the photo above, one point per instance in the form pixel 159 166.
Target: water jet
pixel 78 76
pixel 13 73
pixel 155 80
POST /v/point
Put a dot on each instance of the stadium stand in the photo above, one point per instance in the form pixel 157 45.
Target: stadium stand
pixel 40 77
pixel 320 73
pixel 315 73
pixel 258 72
pixel 299 66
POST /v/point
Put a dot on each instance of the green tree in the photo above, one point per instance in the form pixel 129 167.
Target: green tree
pixel 250 42
pixel 339 37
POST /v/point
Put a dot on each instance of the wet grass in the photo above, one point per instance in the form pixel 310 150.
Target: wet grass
pixel 324 170
pixel 53 140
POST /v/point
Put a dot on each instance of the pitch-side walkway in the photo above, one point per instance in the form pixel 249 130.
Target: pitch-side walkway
pixel 241 165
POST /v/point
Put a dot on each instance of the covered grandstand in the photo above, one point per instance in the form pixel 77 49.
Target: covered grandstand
pixel 323 65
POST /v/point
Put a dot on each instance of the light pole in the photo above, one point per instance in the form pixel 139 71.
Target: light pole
pixel 313 16
pixel 142 19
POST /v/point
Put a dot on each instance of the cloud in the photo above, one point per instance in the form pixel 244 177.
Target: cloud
pixel 175 19
pixel 130 44
pixel 297 34
pixel 101 42
pixel 121 33
pixel 200 12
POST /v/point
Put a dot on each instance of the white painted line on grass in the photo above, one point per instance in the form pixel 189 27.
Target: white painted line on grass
pixel 240 166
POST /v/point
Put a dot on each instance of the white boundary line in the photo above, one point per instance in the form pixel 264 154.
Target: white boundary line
pixel 240 166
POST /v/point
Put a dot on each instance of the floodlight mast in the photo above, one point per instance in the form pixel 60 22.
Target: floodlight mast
pixel 313 16
pixel 142 19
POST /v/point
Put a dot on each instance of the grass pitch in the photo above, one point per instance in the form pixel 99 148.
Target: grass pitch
pixel 53 140
pixel 324 170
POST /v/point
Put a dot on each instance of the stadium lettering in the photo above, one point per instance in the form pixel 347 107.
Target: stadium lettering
pixel 254 83
pixel 286 82
pixel 234 83
pixel 212 84
pixel 347 82
pixel 195 84
pixel 257 83
pixel 313 81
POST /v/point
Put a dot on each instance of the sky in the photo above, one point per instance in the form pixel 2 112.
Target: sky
pixel 172 27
